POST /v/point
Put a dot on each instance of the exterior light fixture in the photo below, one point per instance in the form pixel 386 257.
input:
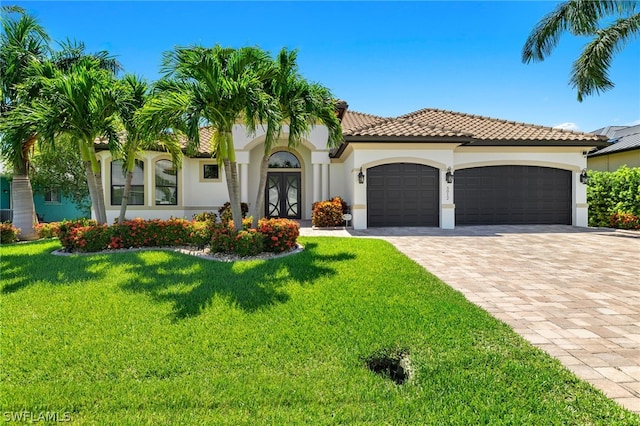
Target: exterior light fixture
pixel 360 176
pixel 584 178
pixel 449 176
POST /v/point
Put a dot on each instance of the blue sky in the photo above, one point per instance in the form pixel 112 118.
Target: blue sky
pixel 384 58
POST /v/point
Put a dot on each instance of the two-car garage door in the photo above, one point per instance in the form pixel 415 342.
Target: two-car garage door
pixel 407 194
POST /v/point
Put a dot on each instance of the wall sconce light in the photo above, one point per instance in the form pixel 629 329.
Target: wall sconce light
pixel 449 176
pixel 360 176
pixel 584 178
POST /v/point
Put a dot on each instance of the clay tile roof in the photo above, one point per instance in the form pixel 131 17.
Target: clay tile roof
pixel 205 148
pixel 402 127
pixel 352 120
pixel 493 129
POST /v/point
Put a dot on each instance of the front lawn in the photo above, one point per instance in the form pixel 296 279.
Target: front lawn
pixel 156 337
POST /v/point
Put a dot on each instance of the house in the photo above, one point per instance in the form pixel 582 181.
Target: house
pixel 624 149
pixel 426 168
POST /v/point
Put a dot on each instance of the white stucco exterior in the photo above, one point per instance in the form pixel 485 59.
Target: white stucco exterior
pixel 323 177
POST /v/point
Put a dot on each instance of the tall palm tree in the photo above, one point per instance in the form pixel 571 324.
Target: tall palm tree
pixel 81 102
pixel 138 136
pixel 218 87
pixel 302 105
pixel 589 73
pixel 22 41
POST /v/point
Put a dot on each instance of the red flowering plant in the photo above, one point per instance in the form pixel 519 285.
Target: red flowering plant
pixel 279 234
pixel 66 233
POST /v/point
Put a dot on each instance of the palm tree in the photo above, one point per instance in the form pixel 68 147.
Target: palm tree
pixel 22 41
pixel 218 87
pixel 138 136
pixel 302 105
pixel 80 102
pixel 589 73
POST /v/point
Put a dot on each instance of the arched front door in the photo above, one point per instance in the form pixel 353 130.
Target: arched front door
pixel 284 182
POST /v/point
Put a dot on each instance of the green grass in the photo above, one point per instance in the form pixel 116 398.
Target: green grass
pixel 157 337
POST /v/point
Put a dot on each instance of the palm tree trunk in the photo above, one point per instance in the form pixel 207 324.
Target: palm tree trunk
pixel 24 212
pixel 258 212
pixel 125 197
pixel 231 173
pixel 102 217
pixel 91 182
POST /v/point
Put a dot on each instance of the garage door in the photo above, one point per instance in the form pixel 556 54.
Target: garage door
pixel 402 194
pixel 500 195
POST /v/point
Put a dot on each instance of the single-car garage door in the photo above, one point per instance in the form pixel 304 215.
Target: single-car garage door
pixel 402 194
pixel 500 195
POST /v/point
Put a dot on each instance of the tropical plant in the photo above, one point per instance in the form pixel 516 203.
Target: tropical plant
pixel 302 105
pixel 22 41
pixel 60 167
pixel 79 100
pixel 138 135
pixel 584 18
pixel 218 87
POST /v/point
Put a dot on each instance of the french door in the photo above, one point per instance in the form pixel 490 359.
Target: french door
pixel 283 195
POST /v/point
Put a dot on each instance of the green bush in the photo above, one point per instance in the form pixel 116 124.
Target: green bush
pixel 279 234
pixel 67 234
pixel 204 217
pixel 8 233
pixel 328 213
pixel 200 233
pixel 611 193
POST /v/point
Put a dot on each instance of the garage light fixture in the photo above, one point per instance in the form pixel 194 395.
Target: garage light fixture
pixel 584 178
pixel 360 176
pixel 449 176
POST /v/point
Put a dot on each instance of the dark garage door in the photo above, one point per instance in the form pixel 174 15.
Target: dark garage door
pixel 402 194
pixel 501 195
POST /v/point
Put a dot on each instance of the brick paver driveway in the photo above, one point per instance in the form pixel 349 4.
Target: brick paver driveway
pixel 573 292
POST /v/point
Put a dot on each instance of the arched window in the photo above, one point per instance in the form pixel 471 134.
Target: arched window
pixel 166 183
pixel 118 179
pixel 283 160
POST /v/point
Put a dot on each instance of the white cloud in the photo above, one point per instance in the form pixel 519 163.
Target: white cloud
pixel 567 126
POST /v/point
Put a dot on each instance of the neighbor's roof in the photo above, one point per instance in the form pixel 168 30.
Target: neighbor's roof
pixel 436 122
pixel 203 150
pixel 622 138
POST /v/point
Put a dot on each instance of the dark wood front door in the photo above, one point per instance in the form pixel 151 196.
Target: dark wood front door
pixel 283 195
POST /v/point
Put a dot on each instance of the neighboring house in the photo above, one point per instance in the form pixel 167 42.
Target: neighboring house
pixel 427 168
pixel 624 149
pixel 50 206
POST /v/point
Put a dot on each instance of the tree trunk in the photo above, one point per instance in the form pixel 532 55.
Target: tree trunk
pixel 125 197
pixel 258 212
pixel 231 173
pixel 102 217
pixel 91 182
pixel 24 211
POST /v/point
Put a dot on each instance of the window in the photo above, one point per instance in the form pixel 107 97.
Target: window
pixel 166 183
pixel 118 178
pixel 210 171
pixel 283 160
pixel 52 196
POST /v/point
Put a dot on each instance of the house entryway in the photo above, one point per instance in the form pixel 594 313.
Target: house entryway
pixel 283 196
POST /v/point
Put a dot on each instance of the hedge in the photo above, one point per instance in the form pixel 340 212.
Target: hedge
pixel 614 198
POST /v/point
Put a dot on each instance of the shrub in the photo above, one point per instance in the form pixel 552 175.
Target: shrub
pixel 279 234
pixel 66 232
pixel 247 243
pixel 610 193
pixel 328 213
pixel 93 238
pixel 200 233
pixel 204 217
pixel 47 230
pixel 225 211
pixel 8 233
pixel 624 220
